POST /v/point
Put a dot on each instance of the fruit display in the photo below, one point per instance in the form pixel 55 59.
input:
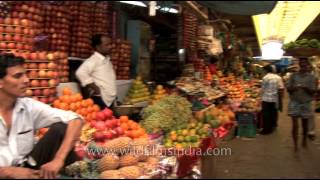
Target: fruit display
pixel 70 101
pixel 302 43
pixel 158 94
pixel 169 113
pixel 32 11
pixel 57 19
pixel 42 71
pixel 121 58
pixel 249 105
pixel 138 92
pixel 80 26
pixel 63 66
pixel 99 18
pixel 233 87
pixel 216 115
pixel 189 137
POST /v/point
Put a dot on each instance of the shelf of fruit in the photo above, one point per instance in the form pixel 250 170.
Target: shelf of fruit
pixel 303 47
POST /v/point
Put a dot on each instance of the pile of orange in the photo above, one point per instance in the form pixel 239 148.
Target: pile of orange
pixel 70 101
pixel 131 128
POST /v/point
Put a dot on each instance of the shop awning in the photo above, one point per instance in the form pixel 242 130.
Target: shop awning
pixel 240 7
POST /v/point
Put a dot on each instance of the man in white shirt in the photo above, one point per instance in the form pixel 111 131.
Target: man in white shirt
pixel 97 75
pixel 272 89
pixel 21 117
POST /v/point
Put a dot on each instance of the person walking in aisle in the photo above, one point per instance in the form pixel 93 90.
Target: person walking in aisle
pixel 21 117
pixel 301 86
pixel 97 75
pixel 272 91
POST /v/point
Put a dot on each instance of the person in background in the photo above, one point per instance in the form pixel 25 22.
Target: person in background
pixel 97 75
pixel 301 86
pixel 272 90
pixel 213 66
pixel 21 117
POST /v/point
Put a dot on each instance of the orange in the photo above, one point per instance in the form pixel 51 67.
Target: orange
pixel 78 97
pixel 94 115
pixel 90 109
pixel 96 108
pixel 56 103
pixel 90 102
pixel 124 119
pixel 84 112
pixel 84 103
pixel 73 98
pixel 65 99
pixel 64 106
pixel 78 105
pixel 73 107
pixel 124 126
pixel 135 134
pixel 128 133
pixel 66 91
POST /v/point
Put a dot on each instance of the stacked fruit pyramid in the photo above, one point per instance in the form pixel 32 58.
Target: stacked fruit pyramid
pixel 138 92
pixel 63 67
pixel 41 70
pixel 57 26
pixel 158 94
pixel 121 57
pixel 99 18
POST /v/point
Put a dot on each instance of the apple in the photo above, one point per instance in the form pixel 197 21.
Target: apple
pixel 46 92
pixel 107 134
pixel 44 100
pixel 50 74
pixel 35 83
pixel 29 92
pixel 43 65
pixel 52 65
pixel 34 56
pixel 44 83
pixel 109 124
pixel 119 131
pixel 100 116
pixel 3 45
pixel 53 92
pixel 51 99
pixel 100 125
pixel 114 133
pixel 17 30
pixel 19 46
pixel 50 56
pixel 11 45
pixel 37 92
pixel 7 37
pixel 9 29
pixel 33 66
pixel 52 83
pixel 42 74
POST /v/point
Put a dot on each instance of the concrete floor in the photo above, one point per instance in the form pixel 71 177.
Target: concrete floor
pixel 267 156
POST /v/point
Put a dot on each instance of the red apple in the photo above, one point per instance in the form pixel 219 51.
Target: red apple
pixel 119 131
pixel 46 92
pixel 33 66
pixel 44 83
pixel 53 92
pixel 52 83
pixel 43 65
pixel 42 74
pixel 7 37
pixel 109 124
pixel 50 74
pixel 108 113
pixel 52 65
pixel 52 99
pixel 3 45
pixel 35 83
pixel 100 125
pixel 107 134
pixel 100 116
pixel 114 122
pixel 44 100
pixel 11 45
pixel 37 92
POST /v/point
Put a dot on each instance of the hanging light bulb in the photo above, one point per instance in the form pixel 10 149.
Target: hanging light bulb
pixel 152 8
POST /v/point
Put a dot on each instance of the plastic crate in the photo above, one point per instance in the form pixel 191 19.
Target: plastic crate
pixel 248 131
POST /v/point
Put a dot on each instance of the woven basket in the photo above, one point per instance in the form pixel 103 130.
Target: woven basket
pixel 303 52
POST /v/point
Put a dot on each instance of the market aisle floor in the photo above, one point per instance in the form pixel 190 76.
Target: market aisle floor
pixel 269 156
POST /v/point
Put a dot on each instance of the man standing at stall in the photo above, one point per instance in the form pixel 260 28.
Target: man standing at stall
pixel 97 75
pixel 21 117
pixel 301 87
pixel 272 92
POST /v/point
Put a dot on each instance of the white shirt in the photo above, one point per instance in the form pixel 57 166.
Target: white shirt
pixel 99 70
pixel 28 116
pixel 271 83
